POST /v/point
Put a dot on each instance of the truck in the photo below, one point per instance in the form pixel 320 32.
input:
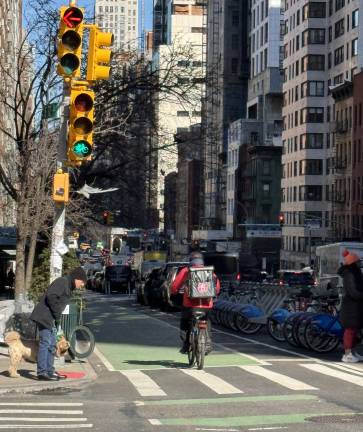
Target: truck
pixel 328 260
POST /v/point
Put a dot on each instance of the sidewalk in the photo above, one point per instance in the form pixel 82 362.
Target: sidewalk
pixel 79 373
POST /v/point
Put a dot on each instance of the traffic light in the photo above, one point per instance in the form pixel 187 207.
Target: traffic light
pixel 110 218
pixel 105 217
pixel 281 220
pixel 70 41
pixel 99 54
pixel 61 187
pixel 80 132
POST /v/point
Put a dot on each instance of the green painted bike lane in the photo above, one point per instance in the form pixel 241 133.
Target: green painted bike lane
pixel 130 339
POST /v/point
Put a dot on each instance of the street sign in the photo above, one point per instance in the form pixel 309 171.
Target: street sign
pixel 263 231
pixel 313 223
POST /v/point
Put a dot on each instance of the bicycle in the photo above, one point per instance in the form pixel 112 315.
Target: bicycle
pixel 198 339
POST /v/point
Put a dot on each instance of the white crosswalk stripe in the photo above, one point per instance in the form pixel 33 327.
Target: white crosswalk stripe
pixel 143 383
pixel 344 376
pixel 43 415
pixel 283 380
pixel 215 383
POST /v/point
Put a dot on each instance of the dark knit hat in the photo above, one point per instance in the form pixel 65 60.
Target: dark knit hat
pixel 78 273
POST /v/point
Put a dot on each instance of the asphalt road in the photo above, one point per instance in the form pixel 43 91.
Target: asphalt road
pixel 249 383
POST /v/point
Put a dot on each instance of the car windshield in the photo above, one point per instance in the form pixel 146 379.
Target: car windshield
pixel 298 278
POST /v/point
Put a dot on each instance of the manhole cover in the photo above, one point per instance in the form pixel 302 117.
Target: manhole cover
pixel 344 419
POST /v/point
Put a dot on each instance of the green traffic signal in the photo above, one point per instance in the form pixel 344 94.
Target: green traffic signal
pixel 82 149
pixel 69 63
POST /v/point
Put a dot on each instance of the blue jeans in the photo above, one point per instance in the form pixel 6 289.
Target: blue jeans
pixel 47 349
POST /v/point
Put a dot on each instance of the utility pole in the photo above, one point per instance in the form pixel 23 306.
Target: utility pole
pixel 56 259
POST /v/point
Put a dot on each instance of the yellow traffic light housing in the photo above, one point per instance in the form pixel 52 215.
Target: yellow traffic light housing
pixel 80 131
pixel 61 187
pixel 69 47
pixel 99 54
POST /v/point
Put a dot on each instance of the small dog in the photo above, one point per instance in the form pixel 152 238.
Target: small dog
pixel 27 350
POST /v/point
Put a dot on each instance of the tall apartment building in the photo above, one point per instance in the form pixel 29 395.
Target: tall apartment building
pixel 321 52
pixel 121 18
pixel 226 97
pixel 179 61
pixel 10 39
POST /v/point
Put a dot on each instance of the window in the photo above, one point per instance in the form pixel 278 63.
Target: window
pixel 310 193
pixel 234 65
pixel 312 88
pixel 312 115
pixel 339 4
pixel 314 10
pixel 266 190
pixel 311 141
pixel 313 36
pixel 198 30
pixel 313 62
pixel 311 167
pixel 235 41
pixel 266 167
pixel 355 17
pixel 235 18
pixel 339 55
pixel 339 28
pixel 354 47
pixel 182 114
pixel 183 63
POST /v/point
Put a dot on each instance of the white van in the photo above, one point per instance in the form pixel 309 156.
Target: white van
pixel 329 258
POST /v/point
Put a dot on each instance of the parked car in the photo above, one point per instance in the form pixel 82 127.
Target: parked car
pixel 296 278
pixel 152 283
pixel 162 292
pixel 146 285
pixel 119 278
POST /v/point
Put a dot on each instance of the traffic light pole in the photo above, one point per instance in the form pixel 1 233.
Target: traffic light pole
pixel 56 260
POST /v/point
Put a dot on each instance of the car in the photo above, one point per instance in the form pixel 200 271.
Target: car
pixel 145 288
pixel 162 292
pixel 119 278
pixel 296 278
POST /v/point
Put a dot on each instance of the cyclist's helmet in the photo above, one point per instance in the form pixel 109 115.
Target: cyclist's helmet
pixel 196 258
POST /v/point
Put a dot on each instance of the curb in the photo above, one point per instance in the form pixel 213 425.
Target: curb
pixel 70 383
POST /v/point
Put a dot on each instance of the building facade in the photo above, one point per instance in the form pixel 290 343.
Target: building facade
pixel 225 99
pixel 178 64
pixel 120 18
pixel 321 50
pixel 10 40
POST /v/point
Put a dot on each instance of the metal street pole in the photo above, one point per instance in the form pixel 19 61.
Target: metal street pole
pixel 309 264
pixel 56 259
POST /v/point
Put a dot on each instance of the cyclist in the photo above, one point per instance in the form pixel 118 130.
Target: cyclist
pixel 192 304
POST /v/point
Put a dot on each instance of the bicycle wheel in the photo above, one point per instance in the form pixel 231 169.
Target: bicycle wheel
pixel 82 342
pixel 287 331
pixel 191 352
pixel 275 330
pixel 201 340
pixel 319 340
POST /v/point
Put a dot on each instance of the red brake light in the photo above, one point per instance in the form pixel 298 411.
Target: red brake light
pixel 281 283
pixel 238 276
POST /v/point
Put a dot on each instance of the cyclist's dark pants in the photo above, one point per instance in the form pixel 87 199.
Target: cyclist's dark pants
pixel 186 323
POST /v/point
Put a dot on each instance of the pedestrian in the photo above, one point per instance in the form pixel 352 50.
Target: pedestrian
pixel 47 315
pixel 351 312
pixel 10 278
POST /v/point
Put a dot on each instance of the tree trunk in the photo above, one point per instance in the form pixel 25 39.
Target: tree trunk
pixel 20 293
pixel 30 260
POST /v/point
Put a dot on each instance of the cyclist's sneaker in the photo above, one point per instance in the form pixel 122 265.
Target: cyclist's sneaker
pixel 350 358
pixel 358 356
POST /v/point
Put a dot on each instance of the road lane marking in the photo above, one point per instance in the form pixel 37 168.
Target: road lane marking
pixel 44 419
pixel 283 380
pixel 41 426
pixel 104 360
pixel 31 411
pixel 41 404
pixel 255 420
pixel 237 399
pixel 325 370
pixel 143 383
pixel 348 369
pixel 218 385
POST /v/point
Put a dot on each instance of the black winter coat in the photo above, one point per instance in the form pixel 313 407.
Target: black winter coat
pixel 351 313
pixel 52 304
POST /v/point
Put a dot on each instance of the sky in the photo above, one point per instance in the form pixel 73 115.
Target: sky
pixel 89 5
